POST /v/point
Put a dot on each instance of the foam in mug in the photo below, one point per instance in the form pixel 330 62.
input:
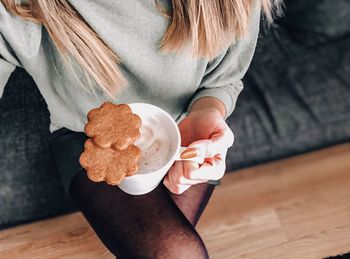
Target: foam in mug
pixel 155 145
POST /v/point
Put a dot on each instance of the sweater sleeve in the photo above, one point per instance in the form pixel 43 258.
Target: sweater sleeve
pixel 19 42
pixel 8 63
pixel 223 76
pixel 6 69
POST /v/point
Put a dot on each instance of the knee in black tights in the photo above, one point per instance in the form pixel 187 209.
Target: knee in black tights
pixel 180 246
pixel 176 246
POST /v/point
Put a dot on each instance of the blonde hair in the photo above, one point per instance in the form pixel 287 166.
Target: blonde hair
pixel 207 25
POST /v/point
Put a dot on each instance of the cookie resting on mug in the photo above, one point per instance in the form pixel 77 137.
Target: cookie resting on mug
pixel 113 125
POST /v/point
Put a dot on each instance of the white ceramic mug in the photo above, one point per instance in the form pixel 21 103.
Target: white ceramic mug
pixel 138 184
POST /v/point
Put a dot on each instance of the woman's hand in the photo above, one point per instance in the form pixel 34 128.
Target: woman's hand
pixel 203 128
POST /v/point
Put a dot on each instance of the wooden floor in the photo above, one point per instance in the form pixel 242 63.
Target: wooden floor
pixel 294 208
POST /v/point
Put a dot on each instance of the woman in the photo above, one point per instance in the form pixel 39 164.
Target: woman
pixel 187 57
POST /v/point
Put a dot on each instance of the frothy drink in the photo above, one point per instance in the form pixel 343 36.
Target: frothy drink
pixel 155 145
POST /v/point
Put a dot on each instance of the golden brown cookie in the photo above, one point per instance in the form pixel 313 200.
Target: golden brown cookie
pixel 107 164
pixel 113 126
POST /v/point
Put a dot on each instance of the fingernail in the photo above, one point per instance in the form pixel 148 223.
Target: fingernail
pixel 189 153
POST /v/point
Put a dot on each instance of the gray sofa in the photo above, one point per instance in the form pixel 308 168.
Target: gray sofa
pixel 296 99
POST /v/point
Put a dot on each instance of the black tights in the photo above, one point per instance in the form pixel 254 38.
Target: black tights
pixel 155 225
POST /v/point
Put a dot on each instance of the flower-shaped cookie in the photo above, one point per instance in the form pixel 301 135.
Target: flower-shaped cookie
pixel 113 126
pixel 107 164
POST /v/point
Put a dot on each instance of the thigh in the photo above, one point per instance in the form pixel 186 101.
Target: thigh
pixel 193 201
pixel 143 226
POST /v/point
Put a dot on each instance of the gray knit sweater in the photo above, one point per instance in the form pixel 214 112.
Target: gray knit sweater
pixel 133 29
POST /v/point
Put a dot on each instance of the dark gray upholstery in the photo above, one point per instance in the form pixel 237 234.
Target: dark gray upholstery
pixel 297 90
pixel 29 185
pixel 296 99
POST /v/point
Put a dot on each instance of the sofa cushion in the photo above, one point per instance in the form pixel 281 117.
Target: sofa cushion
pixel 297 90
pixel 29 184
pixel 295 99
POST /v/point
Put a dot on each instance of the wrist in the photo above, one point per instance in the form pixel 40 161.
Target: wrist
pixel 209 102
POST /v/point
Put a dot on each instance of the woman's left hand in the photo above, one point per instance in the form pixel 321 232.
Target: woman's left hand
pixel 206 130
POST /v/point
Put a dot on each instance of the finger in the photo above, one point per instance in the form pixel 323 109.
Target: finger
pixel 213 170
pixel 177 173
pixel 188 168
pixel 169 185
pixel 166 181
pixel 218 142
pixel 175 188
pixel 181 188
pixel 215 159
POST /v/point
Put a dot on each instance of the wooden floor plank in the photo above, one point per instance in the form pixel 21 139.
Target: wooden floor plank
pixel 230 237
pixel 315 213
pixel 67 236
pixel 330 242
